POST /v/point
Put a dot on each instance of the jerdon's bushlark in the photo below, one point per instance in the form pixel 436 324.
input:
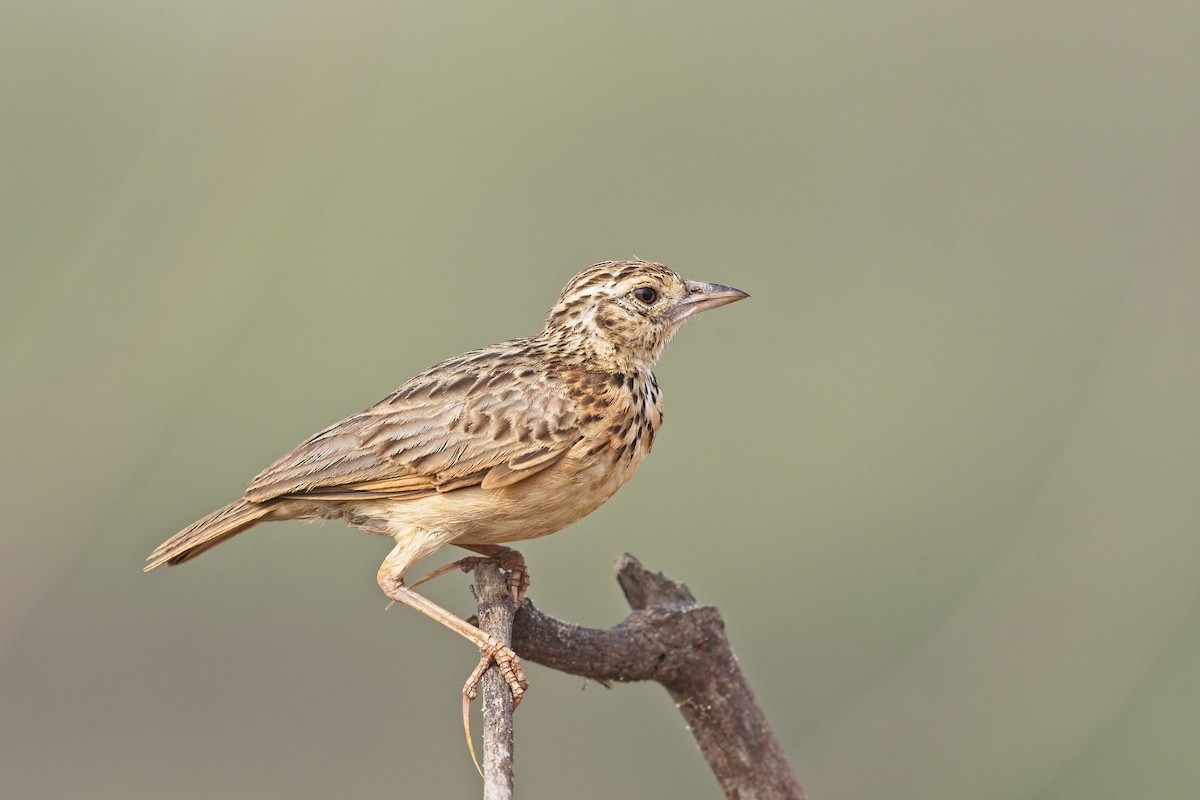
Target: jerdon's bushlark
pixel 510 442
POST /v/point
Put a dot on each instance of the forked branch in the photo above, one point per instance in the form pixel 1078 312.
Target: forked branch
pixel 670 639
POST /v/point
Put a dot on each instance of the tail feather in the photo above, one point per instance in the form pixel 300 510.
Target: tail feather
pixel 208 532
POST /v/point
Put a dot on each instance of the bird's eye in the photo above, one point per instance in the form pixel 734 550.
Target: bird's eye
pixel 647 294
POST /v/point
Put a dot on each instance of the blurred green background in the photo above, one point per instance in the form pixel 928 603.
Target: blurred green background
pixel 940 473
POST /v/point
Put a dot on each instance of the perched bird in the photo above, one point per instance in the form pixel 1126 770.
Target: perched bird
pixel 510 442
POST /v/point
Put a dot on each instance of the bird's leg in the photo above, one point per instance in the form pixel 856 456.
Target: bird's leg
pixel 463 564
pixel 491 649
pixel 504 557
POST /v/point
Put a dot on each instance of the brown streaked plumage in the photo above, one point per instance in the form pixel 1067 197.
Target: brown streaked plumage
pixel 509 442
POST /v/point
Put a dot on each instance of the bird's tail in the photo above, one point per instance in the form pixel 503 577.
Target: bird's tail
pixel 208 532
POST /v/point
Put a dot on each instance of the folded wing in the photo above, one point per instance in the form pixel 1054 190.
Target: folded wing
pixel 482 422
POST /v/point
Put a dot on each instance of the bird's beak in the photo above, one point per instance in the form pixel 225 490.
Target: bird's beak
pixel 702 296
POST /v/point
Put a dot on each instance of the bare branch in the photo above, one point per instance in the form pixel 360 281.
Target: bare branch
pixel 496 618
pixel 670 639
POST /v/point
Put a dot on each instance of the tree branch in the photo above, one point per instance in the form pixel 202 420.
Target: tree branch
pixel 670 639
pixel 496 618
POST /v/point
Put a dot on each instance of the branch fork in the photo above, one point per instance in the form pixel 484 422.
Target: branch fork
pixel 667 638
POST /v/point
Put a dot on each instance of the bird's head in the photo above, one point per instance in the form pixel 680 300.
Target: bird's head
pixel 622 313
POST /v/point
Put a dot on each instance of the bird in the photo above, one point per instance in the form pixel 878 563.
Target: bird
pixel 505 443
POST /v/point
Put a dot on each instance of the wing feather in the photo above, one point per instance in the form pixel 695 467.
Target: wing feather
pixel 470 421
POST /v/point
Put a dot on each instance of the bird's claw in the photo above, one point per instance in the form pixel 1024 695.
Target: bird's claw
pixel 518 583
pixel 509 664
pixel 506 558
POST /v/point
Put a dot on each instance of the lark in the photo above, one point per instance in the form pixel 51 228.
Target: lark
pixel 497 445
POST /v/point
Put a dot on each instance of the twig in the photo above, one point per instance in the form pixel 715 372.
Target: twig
pixel 496 618
pixel 670 639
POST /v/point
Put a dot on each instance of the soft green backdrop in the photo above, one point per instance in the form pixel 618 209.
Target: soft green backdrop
pixel 940 473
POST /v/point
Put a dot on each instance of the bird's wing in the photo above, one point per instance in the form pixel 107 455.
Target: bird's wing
pixel 470 421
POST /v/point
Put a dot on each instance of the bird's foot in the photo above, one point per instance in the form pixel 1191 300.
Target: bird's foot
pixel 504 557
pixel 509 664
pixel 511 561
